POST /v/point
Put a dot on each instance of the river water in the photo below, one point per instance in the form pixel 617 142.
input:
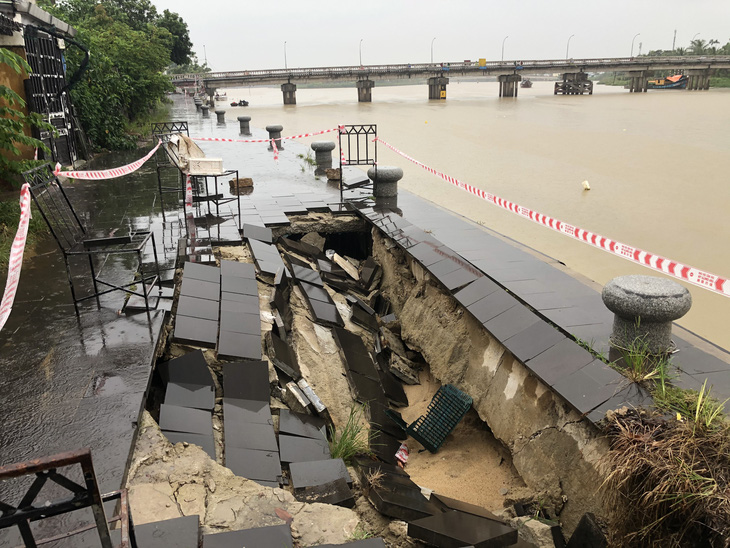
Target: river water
pixel 657 164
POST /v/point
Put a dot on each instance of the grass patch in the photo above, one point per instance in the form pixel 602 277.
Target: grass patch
pixel 639 364
pixel 352 439
pixel 360 534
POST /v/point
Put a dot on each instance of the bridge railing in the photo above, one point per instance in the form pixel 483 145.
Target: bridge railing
pixel 549 65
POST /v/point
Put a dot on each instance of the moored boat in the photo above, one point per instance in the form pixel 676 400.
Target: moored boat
pixel 526 83
pixel 678 81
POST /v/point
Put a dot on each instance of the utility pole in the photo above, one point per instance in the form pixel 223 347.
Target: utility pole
pixel 674 40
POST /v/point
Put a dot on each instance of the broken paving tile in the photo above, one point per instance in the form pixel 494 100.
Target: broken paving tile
pixel 253 232
pixel 282 356
pixel 189 368
pixel 310 474
pixel 240 322
pixel 384 446
pixel 239 345
pixel 301 247
pixel 253 464
pixel 326 314
pixel 380 421
pixel 588 534
pixel 368 271
pixel 195 331
pixel 314 292
pixel 238 269
pixel 247 381
pixel 334 492
pixel 184 419
pixel 250 435
pixel 357 357
pixel 297 424
pixel 298 449
pixel 447 503
pixel 295 398
pixel 190 395
pixel 367 543
pixel 366 389
pixel 254 411
pixel 197 308
pixel 401 502
pixel 306 274
pixel 456 528
pixel 275 536
pixel 206 443
pixel 391 384
pixel 363 319
pixel 170 533
pixel 205 273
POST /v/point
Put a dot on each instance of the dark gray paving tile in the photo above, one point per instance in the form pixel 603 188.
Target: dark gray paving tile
pixel 190 368
pixel 573 316
pixel 309 474
pixel 196 331
pixel 447 503
pixel 185 419
pixel 253 464
pixel 246 381
pixel 326 313
pixel 253 411
pixel 511 322
pixel 275 536
pixel 357 357
pixel 443 267
pixel 171 533
pixel 298 449
pixel 401 502
pixel 245 286
pixel 305 274
pixel 583 391
pixel 297 424
pixel 527 287
pixel 458 278
pixel 697 362
pixel 546 301
pixel 367 390
pixel 237 302
pixel 718 382
pixel 380 421
pixel 238 269
pixel 533 340
pixel 239 345
pixel 190 395
pixel 454 528
pixel 194 271
pixel 253 232
pixel 363 319
pixel 314 292
pixel 250 435
pixel 632 396
pixel 559 361
pixel 200 289
pixel 384 446
pixel 477 290
pixel 241 322
pixel 491 306
pixel 205 442
pixel 197 308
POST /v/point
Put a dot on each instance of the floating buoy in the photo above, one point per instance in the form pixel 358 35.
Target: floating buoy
pixel 586 186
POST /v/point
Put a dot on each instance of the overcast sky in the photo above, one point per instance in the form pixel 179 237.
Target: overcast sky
pixel 250 34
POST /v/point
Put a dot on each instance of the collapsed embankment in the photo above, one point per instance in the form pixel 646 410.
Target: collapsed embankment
pixel 554 449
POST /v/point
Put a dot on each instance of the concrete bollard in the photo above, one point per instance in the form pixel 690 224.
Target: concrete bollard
pixel 198 103
pixel 221 114
pixel 323 152
pixel 205 110
pixel 275 133
pixel 243 121
pixel 385 180
pixel 644 308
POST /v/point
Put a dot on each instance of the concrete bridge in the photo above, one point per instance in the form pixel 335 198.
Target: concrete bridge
pixel 508 73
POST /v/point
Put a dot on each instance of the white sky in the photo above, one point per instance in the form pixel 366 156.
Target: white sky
pixel 250 34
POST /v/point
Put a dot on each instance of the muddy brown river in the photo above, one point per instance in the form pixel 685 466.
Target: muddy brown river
pixel 656 162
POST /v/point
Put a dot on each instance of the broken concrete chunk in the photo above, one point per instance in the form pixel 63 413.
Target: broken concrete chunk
pixel 319 407
pixel 295 398
pixel 334 492
pixel 314 239
pixel 390 340
pixel 347 266
pixel 402 368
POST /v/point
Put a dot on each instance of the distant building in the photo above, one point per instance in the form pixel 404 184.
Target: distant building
pixel 38 37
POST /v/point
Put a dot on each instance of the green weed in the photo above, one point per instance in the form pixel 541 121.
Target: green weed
pixel 352 439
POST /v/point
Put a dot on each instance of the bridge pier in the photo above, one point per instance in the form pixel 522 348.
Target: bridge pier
pixel 290 93
pixel 509 84
pixel 637 81
pixel 574 83
pixel 210 92
pixel 365 91
pixel 437 87
pixel 698 79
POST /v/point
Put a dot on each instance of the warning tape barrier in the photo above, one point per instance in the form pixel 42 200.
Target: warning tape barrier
pixel 107 173
pixel 15 262
pixel 300 136
pixel 695 276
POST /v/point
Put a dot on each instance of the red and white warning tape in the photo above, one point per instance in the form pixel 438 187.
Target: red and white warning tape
pixel 188 192
pixel 300 136
pixel 16 256
pixel 701 278
pixel 107 173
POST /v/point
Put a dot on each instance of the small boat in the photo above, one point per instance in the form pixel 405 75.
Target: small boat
pixel 219 96
pixel 526 83
pixel 241 103
pixel 678 81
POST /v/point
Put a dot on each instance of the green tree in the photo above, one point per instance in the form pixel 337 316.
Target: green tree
pixel 182 47
pixel 13 122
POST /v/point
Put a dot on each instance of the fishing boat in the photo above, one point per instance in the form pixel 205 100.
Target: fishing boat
pixel 219 96
pixel 678 81
pixel 526 83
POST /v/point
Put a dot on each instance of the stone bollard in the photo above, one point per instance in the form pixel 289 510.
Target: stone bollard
pixel 644 308
pixel 221 114
pixel 205 109
pixel 243 121
pixel 198 103
pixel 385 180
pixel 275 133
pixel 323 152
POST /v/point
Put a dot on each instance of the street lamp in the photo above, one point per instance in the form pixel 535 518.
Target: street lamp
pixel 285 67
pixel 361 39
pixel 695 36
pixel 503 41
pixel 567 48
pixel 432 41
pixel 632 43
